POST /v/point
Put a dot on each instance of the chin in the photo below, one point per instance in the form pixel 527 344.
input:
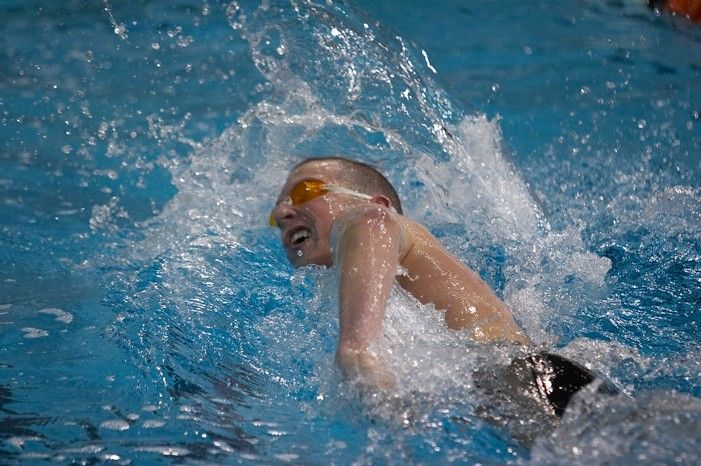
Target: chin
pixel 309 259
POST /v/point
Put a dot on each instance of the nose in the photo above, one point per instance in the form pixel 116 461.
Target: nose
pixel 281 213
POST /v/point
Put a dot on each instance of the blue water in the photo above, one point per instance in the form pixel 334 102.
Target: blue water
pixel 148 314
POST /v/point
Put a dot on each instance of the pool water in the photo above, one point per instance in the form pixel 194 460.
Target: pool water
pixel 147 311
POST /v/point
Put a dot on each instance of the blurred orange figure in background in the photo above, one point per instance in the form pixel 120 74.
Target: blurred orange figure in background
pixel 689 8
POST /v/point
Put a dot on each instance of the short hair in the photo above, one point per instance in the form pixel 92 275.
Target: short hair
pixel 363 177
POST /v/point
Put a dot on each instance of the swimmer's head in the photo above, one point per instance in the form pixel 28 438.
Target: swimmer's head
pixel 316 192
pixel 359 176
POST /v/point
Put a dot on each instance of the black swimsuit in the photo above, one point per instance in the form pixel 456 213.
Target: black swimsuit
pixel 557 379
pixel 535 388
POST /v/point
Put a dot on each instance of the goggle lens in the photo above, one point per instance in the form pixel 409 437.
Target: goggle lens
pixel 307 190
pixel 302 192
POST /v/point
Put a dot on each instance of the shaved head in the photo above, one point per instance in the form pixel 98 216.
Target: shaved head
pixel 361 177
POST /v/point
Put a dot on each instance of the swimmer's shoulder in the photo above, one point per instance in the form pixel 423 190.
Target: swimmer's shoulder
pixel 364 211
pixel 415 237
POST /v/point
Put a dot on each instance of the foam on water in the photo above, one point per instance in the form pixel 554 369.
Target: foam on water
pixel 611 432
pixel 61 315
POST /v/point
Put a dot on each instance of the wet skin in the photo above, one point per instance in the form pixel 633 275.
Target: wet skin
pixel 367 242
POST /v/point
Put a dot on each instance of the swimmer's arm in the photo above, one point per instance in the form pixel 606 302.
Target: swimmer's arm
pixel 443 280
pixel 367 258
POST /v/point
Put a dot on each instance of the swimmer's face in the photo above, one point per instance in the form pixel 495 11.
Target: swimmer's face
pixel 305 228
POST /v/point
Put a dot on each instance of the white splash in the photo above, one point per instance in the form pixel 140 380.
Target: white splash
pixel 61 315
pixel 117 424
pixel 32 332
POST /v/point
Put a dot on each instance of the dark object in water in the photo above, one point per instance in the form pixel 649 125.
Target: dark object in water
pixel 530 394
pixel 557 379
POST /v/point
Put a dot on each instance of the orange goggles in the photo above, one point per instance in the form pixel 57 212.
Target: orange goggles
pixel 306 190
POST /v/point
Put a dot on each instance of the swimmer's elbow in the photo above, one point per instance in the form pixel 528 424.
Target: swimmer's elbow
pixel 351 358
pixel 486 326
pixel 362 366
pixel 348 356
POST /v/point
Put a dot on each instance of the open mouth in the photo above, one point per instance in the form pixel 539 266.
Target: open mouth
pixel 298 237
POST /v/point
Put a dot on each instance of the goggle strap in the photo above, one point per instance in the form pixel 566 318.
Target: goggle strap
pixel 350 192
pixel 341 190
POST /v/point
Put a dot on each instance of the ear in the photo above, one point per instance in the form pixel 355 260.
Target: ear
pixel 382 200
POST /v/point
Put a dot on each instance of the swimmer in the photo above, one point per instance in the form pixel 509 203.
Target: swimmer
pixel 336 212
